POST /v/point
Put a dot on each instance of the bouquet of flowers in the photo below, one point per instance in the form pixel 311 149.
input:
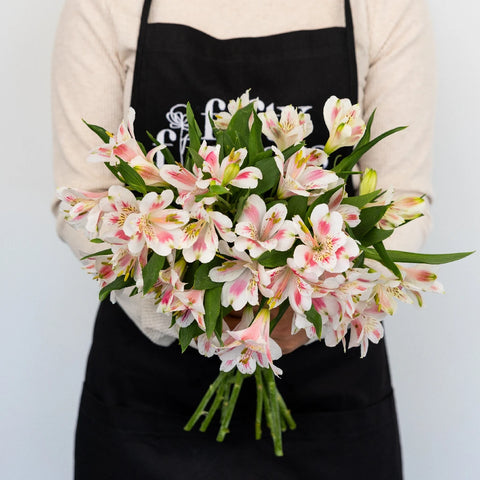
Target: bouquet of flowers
pixel 254 229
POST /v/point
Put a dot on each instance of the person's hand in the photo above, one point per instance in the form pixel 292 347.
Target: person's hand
pixel 281 333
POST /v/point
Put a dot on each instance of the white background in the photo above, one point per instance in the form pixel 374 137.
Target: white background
pixel 44 341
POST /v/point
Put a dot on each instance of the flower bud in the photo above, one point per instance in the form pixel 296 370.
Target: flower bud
pixel 230 173
pixel 369 181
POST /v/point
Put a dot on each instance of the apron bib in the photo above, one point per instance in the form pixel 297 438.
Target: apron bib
pixel 137 396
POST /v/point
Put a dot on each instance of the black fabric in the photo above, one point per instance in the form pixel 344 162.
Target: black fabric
pixel 137 396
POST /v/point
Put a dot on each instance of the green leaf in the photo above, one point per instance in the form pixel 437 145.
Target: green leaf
pixel 270 176
pixel 369 217
pixel 151 270
pixel 386 259
pixel 133 292
pixel 187 334
pixel 409 257
pixel 98 254
pixel 117 284
pixel 114 171
pixel 189 275
pixel 274 258
pixel 168 156
pixel 194 131
pixel 196 157
pixel 153 139
pixel 360 201
pixel 324 198
pixel 202 280
pixel 100 131
pixel 212 309
pixel 351 160
pixel 366 136
pixel 375 235
pixel 240 204
pixel 316 319
pixel 131 177
pixel 225 141
pixel 218 189
pixel 238 127
pixel 296 206
pixel 96 240
pixel 255 144
pixel 288 152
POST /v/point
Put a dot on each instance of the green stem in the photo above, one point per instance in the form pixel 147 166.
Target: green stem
pixel 203 403
pixel 281 311
pixel 267 408
pixel 276 423
pixel 239 377
pixel 213 409
pixel 258 417
pixel 286 414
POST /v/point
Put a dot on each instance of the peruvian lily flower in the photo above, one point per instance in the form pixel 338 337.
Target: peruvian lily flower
pixel 365 327
pixel 298 176
pixel 242 278
pixel 169 284
pixel 288 282
pixel 344 123
pixel 116 207
pixel 260 230
pixel 248 346
pixel 208 346
pixel 228 171
pixel 329 248
pixel 155 225
pixel 402 209
pixel 146 168
pixel 81 208
pixel 292 127
pixel 101 269
pixel 122 145
pixel 200 239
pixel 189 305
pixel 125 263
pixel 349 213
pixel 186 183
pixel 418 279
pixel 223 119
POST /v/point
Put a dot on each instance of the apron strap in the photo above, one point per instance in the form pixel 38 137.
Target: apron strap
pixel 140 49
pixel 351 52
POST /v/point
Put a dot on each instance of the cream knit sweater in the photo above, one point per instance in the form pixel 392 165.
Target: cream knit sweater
pixel 93 65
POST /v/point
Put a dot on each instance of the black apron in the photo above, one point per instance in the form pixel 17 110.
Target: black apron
pixel 137 396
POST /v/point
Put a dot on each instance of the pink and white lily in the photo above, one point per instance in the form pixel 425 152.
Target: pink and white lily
pixel 247 345
pixel 81 208
pixel 200 238
pixel 365 327
pixel 289 282
pixel 242 278
pixel 402 208
pixel 116 207
pixel 344 123
pixel 291 129
pixel 155 225
pixel 228 171
pixel 329 248
pixel 260 230
pixel 222 119
pixel 190 308
pixel 186 183
pixel 349 213
pixel 122 145
pixel 299 177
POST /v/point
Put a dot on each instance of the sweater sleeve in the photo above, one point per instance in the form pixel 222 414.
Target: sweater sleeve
pixel 400 86
pixel 88 83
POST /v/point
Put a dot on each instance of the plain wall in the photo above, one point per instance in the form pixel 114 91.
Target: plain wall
pixel 44 341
